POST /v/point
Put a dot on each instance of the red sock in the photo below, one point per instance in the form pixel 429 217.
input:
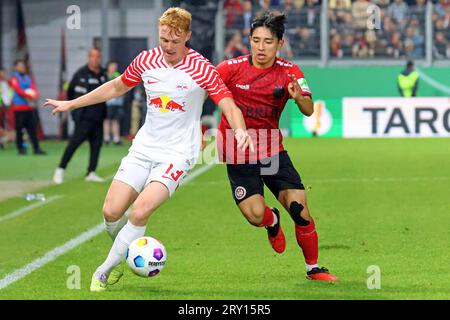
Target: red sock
pixel 307 240
pixel 268 218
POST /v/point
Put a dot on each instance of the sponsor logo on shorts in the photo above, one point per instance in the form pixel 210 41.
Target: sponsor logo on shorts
pixel 240 192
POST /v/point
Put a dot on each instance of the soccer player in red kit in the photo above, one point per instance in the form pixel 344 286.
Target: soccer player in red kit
pixel 261 84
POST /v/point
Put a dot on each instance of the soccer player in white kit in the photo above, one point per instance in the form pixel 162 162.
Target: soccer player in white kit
pixel 177 80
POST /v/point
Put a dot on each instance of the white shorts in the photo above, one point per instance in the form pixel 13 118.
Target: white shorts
pixel 137 171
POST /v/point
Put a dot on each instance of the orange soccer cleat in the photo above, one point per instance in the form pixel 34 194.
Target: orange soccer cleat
pixel 321 274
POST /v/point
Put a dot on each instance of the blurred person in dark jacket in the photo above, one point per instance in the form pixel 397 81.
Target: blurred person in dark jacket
pixel 88 121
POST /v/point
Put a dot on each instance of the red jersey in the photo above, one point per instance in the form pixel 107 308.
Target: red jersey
pixel 261 94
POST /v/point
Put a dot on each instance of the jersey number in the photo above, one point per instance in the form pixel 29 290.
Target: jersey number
pixel 172 175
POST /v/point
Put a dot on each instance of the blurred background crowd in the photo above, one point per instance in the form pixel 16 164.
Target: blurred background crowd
pixel 358 29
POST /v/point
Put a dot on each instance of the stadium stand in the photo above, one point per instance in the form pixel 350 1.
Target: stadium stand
pixel 397 27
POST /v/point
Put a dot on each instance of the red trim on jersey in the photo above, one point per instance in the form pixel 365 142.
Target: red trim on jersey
pixel 194 64
pixel 206 76
pixel 132 75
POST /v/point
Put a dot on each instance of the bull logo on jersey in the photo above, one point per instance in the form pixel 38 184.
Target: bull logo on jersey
pixel 166 104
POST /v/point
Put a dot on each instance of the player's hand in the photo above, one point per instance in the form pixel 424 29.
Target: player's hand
pixel 243 140
pixel 58 106
pixel 294 88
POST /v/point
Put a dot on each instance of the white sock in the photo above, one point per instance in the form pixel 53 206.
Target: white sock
pixel 116 139
pixel 119 248
pixel 275 219
pixel 114 227
pixel 309 267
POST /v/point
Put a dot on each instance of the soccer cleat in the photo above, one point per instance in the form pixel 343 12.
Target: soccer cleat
pixel 276 235
pixel 58 177
pixel 320 274
pixel 115 274
pixel 93 177
pixel 98 285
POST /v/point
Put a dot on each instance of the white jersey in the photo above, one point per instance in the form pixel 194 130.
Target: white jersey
pixel 175 97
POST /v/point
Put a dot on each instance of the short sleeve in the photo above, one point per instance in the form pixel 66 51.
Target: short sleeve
pixel 224 71
pixel 214 84
pixel 133 73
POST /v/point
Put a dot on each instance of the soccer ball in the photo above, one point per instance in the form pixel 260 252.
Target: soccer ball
pixel 146 256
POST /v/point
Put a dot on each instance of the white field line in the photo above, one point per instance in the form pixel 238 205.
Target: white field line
pixel 50 256
pixel 18 274
pixel 435 84
pixel 23 210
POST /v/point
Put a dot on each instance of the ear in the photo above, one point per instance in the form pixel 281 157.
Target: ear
pixel 188 36
pixel 280 44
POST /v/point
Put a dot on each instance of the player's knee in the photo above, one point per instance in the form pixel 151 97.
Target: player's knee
pixel 110 213
pixel 254 216
pixel 299 214
pixel 141 212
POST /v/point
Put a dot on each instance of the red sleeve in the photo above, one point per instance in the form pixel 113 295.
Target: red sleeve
pixel 132 75
pixel 13 83
pixel 306 91
pixel 224 71
pixel 213 83
pixel 33 86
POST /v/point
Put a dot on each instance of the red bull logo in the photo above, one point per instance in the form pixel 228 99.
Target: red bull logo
pixel 166 104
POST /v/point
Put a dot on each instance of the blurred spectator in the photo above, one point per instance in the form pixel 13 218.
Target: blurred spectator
pixel 398 10
pixel 414 43
pixel 382 4
pixel 305 44
pixel 408 81
pixel 233 11
pixel 395 46
pixel 292 16
pixel 24 103
pixel 286 51
pixel 418 11
pixel 235 47
pixel 360 14
pixel 6 132
pixel 247 17
pixel 360 49
pixel 138 110
pixel 111 126
pixel 264 5
pixel 441 46
pixel 335 45
pixel 310 14
pixel 441 7
pixel 370 38
pixel 88 121
pixel 338 9
pixel 347 45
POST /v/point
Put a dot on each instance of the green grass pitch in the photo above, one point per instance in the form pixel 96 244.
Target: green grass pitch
pixel 376 202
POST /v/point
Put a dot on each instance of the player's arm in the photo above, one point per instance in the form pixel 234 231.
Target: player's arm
pixel 237 123
pixel 14 84
pixel 304 102
pixel 109 90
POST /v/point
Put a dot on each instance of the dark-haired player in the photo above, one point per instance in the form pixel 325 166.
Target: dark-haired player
pixel 261 84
